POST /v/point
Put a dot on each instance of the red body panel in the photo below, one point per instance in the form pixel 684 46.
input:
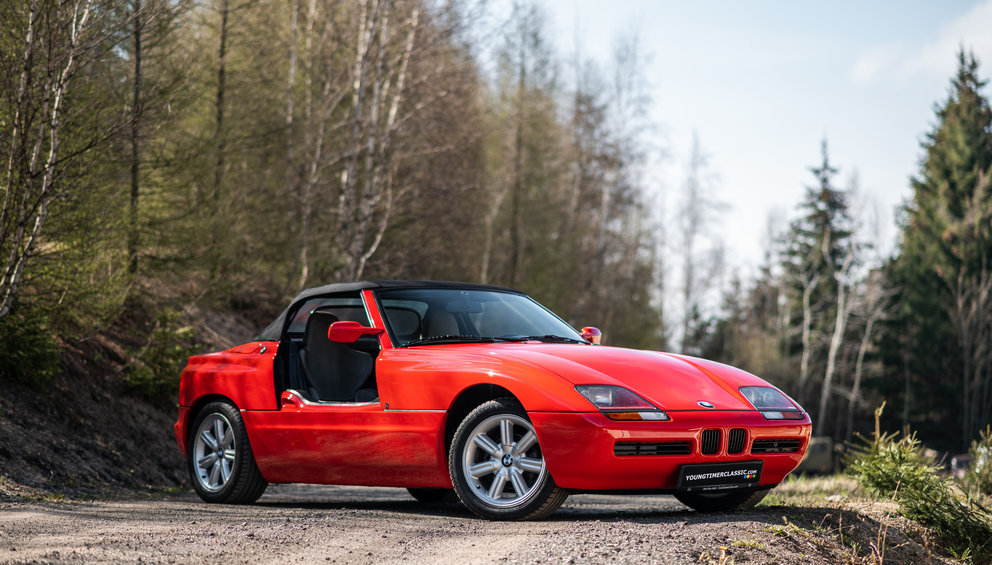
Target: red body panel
pixel 400 440
pixel 430 378
pixel 242 374
pixel 349 445
pixel 579 450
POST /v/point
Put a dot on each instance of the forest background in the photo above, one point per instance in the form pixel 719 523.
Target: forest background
pixel 228 153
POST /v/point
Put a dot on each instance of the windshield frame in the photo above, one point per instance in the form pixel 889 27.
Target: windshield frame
pixel 381 295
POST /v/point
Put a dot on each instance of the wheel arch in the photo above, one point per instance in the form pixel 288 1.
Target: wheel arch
pixel 198 406
pixel 468 400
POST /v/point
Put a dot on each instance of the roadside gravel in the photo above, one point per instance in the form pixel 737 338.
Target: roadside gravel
pixel 311 524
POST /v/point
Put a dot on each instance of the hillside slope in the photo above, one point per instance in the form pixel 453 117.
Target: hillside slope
pixel 88 431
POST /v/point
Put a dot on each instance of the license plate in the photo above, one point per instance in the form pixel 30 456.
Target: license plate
pixel 719 476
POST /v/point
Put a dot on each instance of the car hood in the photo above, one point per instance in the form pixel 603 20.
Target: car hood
pixel 671 382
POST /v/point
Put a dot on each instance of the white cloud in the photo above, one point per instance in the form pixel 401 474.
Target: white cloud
pixel 937 57
pixel 876 60
pixel 973 31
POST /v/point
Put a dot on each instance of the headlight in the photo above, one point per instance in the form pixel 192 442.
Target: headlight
pixel 618 403
pixel 772 404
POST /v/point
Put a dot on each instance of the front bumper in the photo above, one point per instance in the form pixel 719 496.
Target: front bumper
pixel 579 448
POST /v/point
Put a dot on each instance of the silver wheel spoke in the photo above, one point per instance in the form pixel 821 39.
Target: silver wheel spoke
pixel 506 432
pixel 518 482
pixel 531 465
pixel 496 489
pixel 225 471
pixel 215 473
pixel 218 430
pixel 229 455
pixel 208 461
pixel 483 441
pixel 228 441
pixel 209 440
pixel 484 468
pixel 526 442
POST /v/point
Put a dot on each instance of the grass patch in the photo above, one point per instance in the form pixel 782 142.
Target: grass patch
pixel 805 491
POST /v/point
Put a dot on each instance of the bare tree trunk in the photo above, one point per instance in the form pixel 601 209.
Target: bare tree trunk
pixel 489 226
pixel 294 8
pixel 385 170
pixel 347 202
pixel 219 138
pixel 970 312
pixel 877 307
pixel 133 240
pixel 518 158
pixel 19 109
pixel 810 282
pixel 836 340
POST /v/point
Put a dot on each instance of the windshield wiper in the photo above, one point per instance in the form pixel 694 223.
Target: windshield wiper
pixel 547 338
pixel 454 339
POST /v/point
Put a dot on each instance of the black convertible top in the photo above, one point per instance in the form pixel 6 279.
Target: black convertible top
pixel 273 331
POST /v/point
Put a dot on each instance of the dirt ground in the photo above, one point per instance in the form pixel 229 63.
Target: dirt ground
pixel 310 524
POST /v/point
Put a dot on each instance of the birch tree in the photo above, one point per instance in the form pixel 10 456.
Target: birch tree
pixel 55 39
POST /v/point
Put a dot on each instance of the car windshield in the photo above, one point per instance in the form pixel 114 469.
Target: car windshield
pixel 425 316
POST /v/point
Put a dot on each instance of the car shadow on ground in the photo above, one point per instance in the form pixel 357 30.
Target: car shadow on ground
pixel 643 509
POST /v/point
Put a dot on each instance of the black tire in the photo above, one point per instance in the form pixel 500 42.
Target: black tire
pixel 501 468
pixel 433 495
pixel 222 469
pixel 722 501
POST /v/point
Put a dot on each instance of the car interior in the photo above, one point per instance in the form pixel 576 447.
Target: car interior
pixel 331 371
pixel 327 371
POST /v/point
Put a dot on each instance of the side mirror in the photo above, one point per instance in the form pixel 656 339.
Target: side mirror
pixel 349 332
pixel 592 334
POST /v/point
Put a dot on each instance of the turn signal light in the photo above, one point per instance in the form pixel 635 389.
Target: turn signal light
pixel 655 415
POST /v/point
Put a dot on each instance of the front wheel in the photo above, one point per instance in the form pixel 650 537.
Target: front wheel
pixel 221 464
pixel 722 501
pixel 497 467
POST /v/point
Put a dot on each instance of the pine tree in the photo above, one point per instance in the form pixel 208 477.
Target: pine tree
pixel 945 260
pixel 816 247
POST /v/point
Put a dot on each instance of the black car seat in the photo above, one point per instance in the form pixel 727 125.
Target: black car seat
pixel 334 371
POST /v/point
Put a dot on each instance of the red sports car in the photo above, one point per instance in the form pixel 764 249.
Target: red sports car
pixel 479 391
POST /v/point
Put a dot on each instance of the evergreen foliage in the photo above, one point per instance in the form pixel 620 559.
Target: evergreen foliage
pixel 893 466
pixel 28 353
pixel 943 327
pixel 154 375
pixel 978 476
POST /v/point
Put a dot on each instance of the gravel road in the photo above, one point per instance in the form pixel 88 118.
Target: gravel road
pixel 313 524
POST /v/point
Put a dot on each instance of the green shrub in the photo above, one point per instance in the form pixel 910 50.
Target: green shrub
pixel 28 352
pixel 895 467
pixel 978 478
pixel 155 374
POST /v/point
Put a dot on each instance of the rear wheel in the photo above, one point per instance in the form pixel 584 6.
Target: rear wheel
pixel 722 501
pixel 497 467
pixel 221 465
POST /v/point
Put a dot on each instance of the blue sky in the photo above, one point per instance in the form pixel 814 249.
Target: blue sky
pixel 762 83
